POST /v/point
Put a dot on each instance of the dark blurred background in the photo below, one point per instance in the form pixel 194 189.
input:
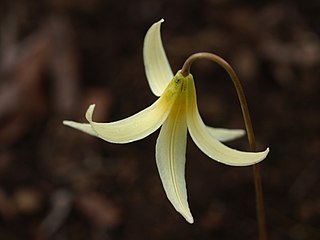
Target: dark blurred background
pixel 58 56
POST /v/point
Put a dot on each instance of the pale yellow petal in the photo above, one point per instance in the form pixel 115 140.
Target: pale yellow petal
pixel 224 135
pixel 170 156
pixel 156 64
pixel 84 127
pixel 140 124
pixel 132 128
pixel 208 144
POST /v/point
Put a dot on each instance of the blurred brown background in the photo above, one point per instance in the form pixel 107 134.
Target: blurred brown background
pixel 58 56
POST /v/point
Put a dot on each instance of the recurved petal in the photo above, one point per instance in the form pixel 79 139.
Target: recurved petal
pixel 170 156
pixel 84 127
pixel 156 64
pixel 138 125
pixel 224 135
pixel 208 144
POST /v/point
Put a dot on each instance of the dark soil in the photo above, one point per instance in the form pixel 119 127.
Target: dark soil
pixel 57 57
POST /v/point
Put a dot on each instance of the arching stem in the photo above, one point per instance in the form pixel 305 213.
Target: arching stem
pixel 248 125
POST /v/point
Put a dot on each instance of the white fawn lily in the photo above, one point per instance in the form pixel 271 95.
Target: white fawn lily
pixel 176 111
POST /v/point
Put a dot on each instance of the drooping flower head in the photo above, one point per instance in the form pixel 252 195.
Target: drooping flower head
pixel 176 112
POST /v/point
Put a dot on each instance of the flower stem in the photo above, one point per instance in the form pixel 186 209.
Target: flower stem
pixel 185 71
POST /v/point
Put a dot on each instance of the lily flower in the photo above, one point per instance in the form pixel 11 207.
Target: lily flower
pixel 176 112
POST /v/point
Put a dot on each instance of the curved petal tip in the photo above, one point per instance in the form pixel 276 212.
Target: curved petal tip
pixel 89 112
pixel 157 67
pixel 84 127
pixel 189 219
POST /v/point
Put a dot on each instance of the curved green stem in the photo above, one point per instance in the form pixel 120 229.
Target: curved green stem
pixel 248 125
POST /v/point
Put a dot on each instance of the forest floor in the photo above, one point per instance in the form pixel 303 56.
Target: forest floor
pixel 57 57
